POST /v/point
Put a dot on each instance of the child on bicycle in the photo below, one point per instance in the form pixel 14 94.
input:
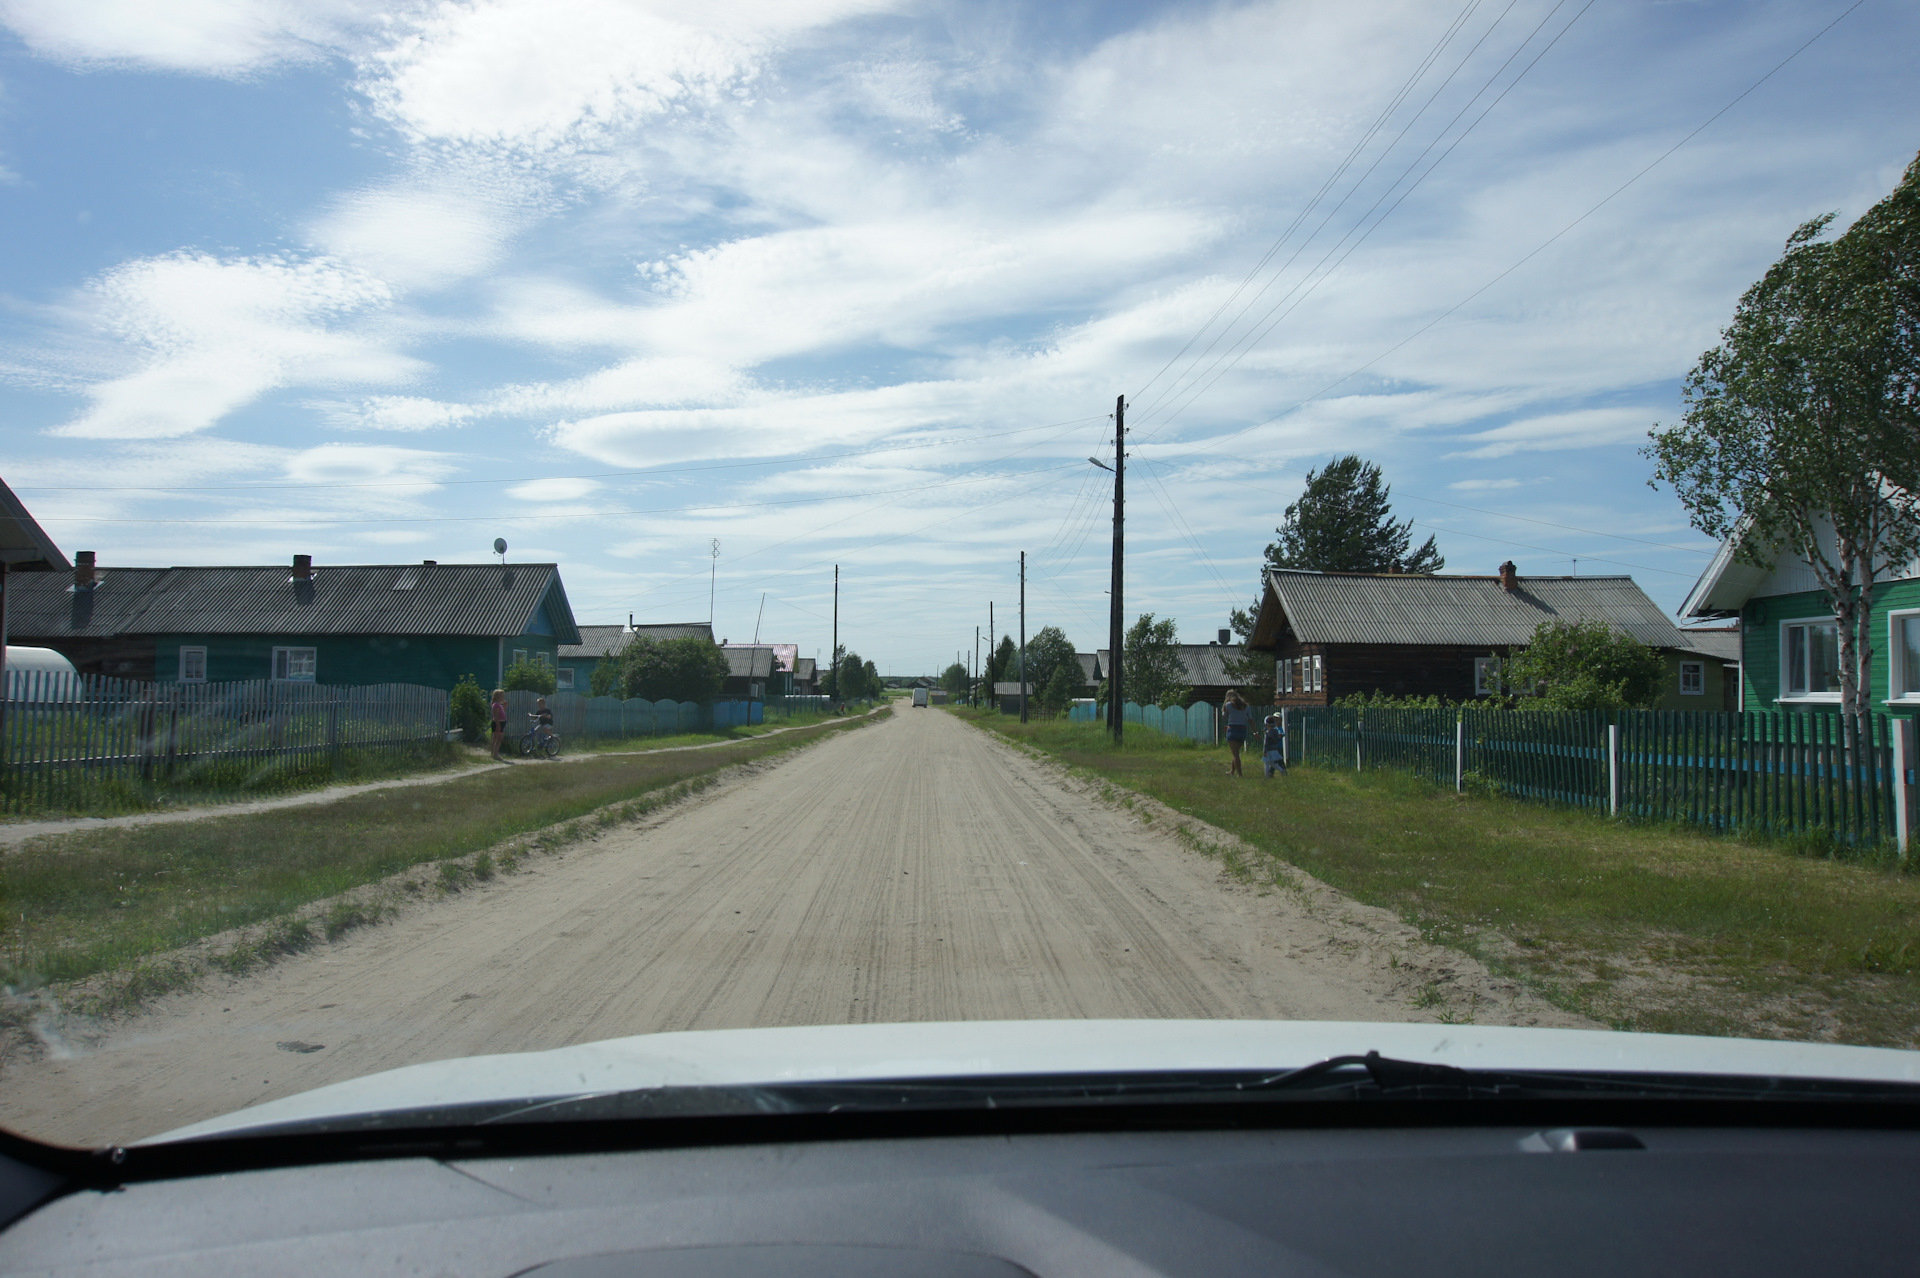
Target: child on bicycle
pixel 1273 745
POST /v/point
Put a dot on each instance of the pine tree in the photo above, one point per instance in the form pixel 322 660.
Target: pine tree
pixel 1343 523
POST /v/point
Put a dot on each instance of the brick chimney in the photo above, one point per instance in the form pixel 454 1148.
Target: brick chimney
pixel 1509 577
pixel 83 561
pixel 303 567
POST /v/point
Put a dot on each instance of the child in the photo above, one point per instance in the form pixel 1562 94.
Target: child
pixel 1274 745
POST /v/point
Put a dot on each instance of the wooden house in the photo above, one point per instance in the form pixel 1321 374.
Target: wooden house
pixel 426 623
pixel 1332 635
pixel 576 661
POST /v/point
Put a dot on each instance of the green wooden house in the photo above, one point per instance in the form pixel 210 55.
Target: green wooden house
pixel 426 623
pixel 1790 641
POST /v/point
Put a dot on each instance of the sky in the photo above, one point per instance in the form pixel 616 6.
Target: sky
pixel 819 282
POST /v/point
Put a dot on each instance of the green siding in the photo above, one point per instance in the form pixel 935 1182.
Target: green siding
pixel 1761 618
pixel 433 661
pixel 1714 698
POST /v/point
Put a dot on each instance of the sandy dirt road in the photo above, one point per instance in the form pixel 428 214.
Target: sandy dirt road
pixel 914 869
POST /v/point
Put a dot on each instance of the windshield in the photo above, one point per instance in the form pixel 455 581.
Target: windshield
pixel 1053 529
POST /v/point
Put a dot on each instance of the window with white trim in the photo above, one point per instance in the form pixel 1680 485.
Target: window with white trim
pixel 1693 678
pixel 293 665
pixel 1312 674
pixel 1283 675
pixel 563 677
pixel 519 657
pixel 1904 668
pixel 1810 652
pixel 1486 676
pixel 193 665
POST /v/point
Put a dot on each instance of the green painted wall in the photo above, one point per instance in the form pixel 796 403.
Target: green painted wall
pixel 434 661
pixel 1761 618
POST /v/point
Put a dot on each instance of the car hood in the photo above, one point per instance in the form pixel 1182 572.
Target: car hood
pixel 958 1049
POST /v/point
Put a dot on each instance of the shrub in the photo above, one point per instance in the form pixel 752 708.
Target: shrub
pixel 530 676
pixel 687 669
pixel 468 709
pixel 1584 665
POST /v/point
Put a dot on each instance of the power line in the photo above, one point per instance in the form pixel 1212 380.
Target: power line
pixel 1211 444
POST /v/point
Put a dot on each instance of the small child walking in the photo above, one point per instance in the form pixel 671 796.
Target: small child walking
pixel 1273 745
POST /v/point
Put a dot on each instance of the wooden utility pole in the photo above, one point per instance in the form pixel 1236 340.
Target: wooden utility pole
pixel 1116 625
pixel 1023 636
pixel 990 652
pixel 975 698
pixel 836 632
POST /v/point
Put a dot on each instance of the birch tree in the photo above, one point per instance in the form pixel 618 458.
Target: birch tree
pixel 1800 436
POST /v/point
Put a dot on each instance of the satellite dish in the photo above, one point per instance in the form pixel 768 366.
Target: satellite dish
pixel 499 545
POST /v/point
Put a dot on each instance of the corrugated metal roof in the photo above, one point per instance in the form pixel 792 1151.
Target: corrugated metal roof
pixel 1205 664
pixel 747 662
pixel 804 669
pixel 611 641
pixel 359 599
pixel 1092 667
pixel 1721 643
pixel 1332 608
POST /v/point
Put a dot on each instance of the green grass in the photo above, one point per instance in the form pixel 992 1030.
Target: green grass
pixel 75 905
pixel 743 732
pixel 1645 927
pixel 229 782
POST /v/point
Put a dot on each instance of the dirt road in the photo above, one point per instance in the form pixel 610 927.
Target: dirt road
pixel 916 869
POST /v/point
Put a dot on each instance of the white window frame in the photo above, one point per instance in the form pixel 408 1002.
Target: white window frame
pixel 563 679
pixel 1481 665
pixel 199 651
pixel 1699 671
pixel 1903 685
pixel 1785 695
pixel 519 657
pixel 1283 675
pixel 284 663
pixel 1317 673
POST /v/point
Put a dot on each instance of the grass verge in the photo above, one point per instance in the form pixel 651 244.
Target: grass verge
pixel 1644 927
pixel 79 904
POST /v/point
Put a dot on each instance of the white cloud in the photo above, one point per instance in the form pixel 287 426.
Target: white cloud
pixel 552 490
pixel 392 468
pixel 1483 485
pixel 210 335
pixel 542 74
pixel 1583 428
pixel 428 229
pixel 215 37
pixel 396 412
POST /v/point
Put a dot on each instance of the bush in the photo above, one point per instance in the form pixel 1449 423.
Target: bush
pixel 1584 665
pixel 605 680
pixel 468 709
pixel 531 676
pixel 687 669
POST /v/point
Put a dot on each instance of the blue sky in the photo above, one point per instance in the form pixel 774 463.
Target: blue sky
pixel 856 282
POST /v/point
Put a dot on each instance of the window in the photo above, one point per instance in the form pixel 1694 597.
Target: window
pixel 1904 669
pixel 563 677
pixel 542 658
pixel 1316 675
pixel 1811 652
pixel 519 657
pixel 1486 676
pixel 1693 678
pixel 293 665
pixel 1283 675
pixel 193 665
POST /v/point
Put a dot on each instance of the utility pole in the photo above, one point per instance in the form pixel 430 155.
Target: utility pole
pixel 757 616
pixel 1116 626
pixel 713 570
pixel 1023 636
pixel 974 685
pixel 836 632
pixel 988 672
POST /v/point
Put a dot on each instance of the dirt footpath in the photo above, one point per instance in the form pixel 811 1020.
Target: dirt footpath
pixel 917 869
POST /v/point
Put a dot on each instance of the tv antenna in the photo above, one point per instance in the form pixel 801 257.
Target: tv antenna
pixel 712 570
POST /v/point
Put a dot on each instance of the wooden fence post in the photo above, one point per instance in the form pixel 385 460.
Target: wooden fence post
pixel 1356 741
pixel 1613 769
pixel 1903 788
pixel 1459 755
pixel 1286 746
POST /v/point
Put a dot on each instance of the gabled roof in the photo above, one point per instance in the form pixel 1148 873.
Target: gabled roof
pixel 804 669
pixel 611 641
pixel 1204 664
pixel 748 662
pixel 1396 608
pixel 24 545
pixel 1093 667
pixel 1725 586
pixel 361 599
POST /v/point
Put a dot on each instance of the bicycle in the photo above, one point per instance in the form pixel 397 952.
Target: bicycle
pixel 537 743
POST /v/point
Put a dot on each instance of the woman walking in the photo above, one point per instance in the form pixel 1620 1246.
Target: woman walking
pixel 498 711
pixel 1237 715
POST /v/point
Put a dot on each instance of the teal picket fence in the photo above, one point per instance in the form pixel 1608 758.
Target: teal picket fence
pixel 1198 722
pixel 1776 771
